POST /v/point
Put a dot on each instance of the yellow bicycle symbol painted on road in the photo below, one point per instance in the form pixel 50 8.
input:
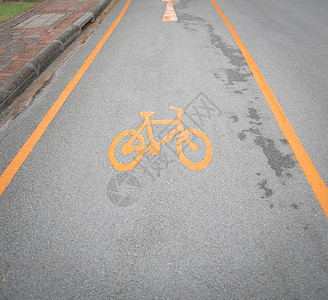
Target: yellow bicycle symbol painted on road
pixel 154 147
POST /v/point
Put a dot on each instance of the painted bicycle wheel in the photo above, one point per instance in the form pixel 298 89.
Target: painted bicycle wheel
pixel 208 152
pixel 111 152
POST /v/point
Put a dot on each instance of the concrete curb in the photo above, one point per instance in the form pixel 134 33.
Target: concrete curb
pixel 18 82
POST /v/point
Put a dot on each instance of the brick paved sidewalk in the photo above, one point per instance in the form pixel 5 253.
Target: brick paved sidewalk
pixel 26 35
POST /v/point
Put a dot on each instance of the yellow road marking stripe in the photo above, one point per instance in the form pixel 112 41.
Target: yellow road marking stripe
pixel 318 186
pixel 169 15
pixel 24 152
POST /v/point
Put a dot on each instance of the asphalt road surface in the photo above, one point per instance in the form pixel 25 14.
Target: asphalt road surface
pixel 245 224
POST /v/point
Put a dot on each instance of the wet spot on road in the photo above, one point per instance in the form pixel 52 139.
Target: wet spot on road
pixel 240 92
pixel 235 75
pixel 252 130
pixel 182 5
pixel 252 114
pixel 241 72
pixel 255 123
pixel 233 54
pixel 263 186
pixel 294 205
pixel 242 136
pixel 276 160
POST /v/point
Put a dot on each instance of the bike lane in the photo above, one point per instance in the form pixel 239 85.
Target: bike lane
pixel 247 224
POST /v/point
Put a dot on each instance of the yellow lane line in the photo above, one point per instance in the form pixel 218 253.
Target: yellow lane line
pixel 318 186
pixel 24 152
pixel 169 15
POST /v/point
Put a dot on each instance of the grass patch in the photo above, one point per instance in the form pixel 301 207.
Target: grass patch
pixel 11 10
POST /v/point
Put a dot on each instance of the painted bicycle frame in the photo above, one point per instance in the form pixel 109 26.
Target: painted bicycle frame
pixel 154 147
